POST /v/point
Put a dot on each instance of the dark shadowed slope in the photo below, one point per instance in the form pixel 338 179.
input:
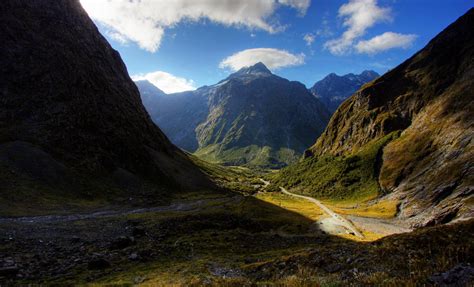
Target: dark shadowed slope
pixel 253 118
pixel 334 89
pixel 69 108
pixel 413 127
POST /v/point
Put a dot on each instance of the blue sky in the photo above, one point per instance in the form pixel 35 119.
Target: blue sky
pixel 191 48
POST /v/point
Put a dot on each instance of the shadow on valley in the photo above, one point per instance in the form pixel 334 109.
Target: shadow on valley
pixel 33 182
pixel 224 239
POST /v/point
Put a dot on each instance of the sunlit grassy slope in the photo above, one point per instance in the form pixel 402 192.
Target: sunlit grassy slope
pixel 340 178
pixel 298 205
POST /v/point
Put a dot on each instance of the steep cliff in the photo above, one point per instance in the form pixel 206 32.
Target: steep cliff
pixel 70 111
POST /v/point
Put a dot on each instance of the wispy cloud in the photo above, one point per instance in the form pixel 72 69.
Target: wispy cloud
pixel 167 82
pixel 381 65
pixel 308 38
pixel 300 5
pixel 274 59
pixel 144 22
pixel 358 15
pixel 385 41
pixel 324 30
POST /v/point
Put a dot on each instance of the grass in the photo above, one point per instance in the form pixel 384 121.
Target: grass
pixel 183 248
pixel 297 205
pixel 235 178
pixel 251 156
pixel 314 213
pixel 23 195
pixel 380 209
pixel 399 260
pixel 338 178
pixel 193 242
pixel 243 235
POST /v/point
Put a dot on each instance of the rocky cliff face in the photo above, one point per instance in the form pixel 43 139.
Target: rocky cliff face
pixel 430 99
pixel 334 89
pixel 253 117
pixel 67 97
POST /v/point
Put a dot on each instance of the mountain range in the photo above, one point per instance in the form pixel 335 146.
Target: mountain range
pixel 252 117
pixel 332 90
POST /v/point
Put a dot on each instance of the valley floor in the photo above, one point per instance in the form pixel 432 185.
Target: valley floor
pixel 356 222
pixel 224 239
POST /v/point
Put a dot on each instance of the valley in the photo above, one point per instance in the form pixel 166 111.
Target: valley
pixel 221 239
pixel 254 180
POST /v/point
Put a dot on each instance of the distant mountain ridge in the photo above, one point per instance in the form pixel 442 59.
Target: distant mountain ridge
pixel 178 114
pixel 332 90
pixel 149 94
pixel 252 117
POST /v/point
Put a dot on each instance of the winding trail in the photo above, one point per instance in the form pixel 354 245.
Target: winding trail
pixel 341 220
pixel 265 183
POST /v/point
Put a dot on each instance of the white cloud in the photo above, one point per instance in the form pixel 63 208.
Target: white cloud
pixel 274 59
pixel 385 41
pixel 167 82
pixel 117 37
pixel 144 21
pixel 301 5
pixel 309 39
pixel 359 15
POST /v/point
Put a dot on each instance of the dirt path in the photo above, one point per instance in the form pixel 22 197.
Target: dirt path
pixel 265 183
pixel 337 219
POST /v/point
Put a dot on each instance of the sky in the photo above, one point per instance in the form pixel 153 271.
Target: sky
pixel 184 44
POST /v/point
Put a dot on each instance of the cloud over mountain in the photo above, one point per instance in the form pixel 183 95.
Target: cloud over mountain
pixel 167 82
pixel 144 22
pixel 274 59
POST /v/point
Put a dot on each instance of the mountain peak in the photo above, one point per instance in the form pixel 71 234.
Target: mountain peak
pixel 258 68
pixel 333 89
pixel 369 73
pixel 145 85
